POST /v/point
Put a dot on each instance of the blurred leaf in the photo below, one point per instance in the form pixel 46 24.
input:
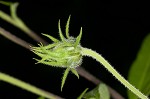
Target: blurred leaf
pixel 80 97
pixel 41 98
pixel 100 92
pixel 140 70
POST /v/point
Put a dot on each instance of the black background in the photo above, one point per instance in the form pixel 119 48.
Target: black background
pixel 114 29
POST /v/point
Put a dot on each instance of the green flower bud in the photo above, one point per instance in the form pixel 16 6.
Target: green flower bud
pixel 65 53
pixel 60 54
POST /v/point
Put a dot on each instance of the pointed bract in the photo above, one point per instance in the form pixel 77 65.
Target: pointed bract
pixel 74 72
pixel 51 37
pixel 67 27
pixel 64 77
pixel 50 46
pixel 60 32
pixel 78 38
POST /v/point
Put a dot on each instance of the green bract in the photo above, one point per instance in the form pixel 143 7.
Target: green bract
pixel 64 53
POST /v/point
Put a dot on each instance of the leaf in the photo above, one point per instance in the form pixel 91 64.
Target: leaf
pixel 80 97
pixel 104 93
pixel 100 92
pixel 40 98
pixel 64 77
pixel 67 27
pixel 140 69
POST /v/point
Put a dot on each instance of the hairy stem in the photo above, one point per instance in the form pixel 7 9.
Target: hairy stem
pixel 9 79
pixel 105 63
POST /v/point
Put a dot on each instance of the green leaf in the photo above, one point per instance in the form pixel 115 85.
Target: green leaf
pixel 100 92
pixel 60 32
pixel 75 72
pixel 140 70
pixel 80 97
pixel 64 77
pixel 78 38
pixel 67 27
pixel 50 37
pixel 40 98
pixel 104 92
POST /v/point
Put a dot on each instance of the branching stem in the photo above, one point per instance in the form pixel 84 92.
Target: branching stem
pixel 21 25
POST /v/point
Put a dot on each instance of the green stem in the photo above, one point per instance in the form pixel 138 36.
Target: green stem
pixel 21 25
pixel 26 86
pixel 106 64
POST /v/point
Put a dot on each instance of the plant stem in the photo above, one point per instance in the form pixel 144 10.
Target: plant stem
pixel 21 25
pixel 106 64
pixel 26 86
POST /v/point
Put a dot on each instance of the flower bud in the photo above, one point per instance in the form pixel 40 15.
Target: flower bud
pixel 61 54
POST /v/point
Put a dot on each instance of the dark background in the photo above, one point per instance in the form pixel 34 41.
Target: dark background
pixel 114 29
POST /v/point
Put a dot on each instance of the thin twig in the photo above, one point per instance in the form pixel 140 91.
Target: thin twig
pixel 81 70
pixel 14 39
